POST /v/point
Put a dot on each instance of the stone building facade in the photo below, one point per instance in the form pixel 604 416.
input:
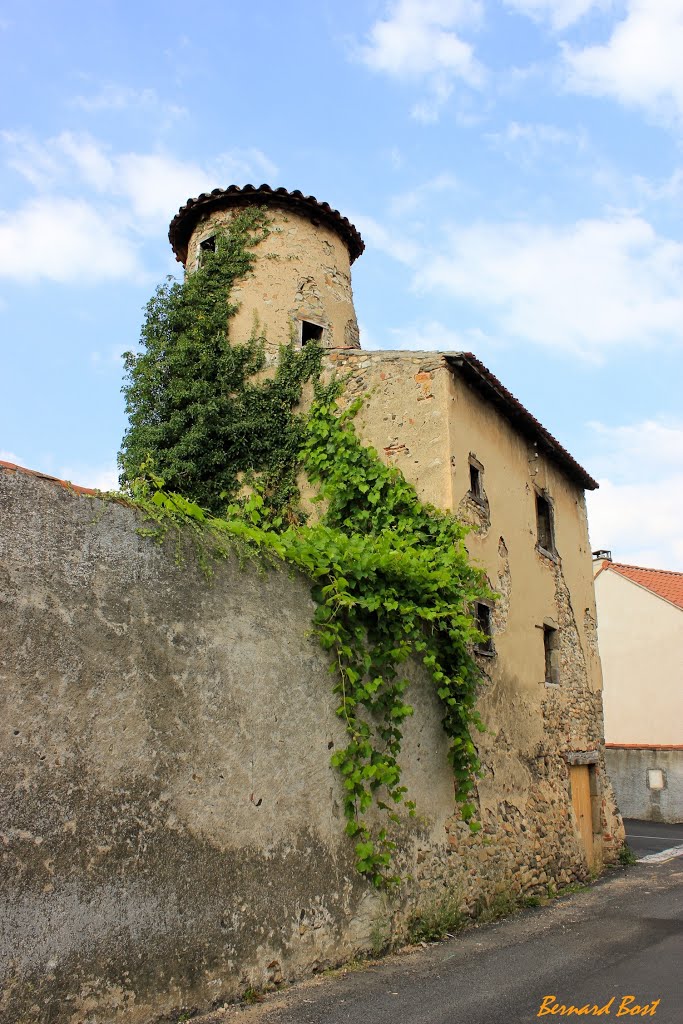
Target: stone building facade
pixel 171 829
pixel 469 447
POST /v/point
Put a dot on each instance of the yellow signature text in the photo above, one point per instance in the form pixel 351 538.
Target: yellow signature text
pixel 627 1007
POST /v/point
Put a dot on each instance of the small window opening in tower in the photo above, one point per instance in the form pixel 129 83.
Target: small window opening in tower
pixel 311 332
pixel 208 244
pixel 482 614
pixel 544 523
pixel 552 652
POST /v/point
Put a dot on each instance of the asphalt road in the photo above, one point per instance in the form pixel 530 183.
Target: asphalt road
pixel 621 938
pixel 645 837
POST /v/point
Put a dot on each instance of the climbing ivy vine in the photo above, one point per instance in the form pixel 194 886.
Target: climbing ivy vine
pixel 199 408
pixel 390 576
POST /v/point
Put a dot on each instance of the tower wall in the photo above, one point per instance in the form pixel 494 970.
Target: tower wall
pixel 302 272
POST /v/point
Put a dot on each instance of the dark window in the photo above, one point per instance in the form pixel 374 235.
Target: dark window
pixel 544 523
pixel 475 482
pixel 482 614
pixel 310 332
pixel 208 244
pixel 551 649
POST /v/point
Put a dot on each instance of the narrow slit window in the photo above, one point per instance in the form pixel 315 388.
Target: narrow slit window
pixel 544 523
pixel 551 649
pixel 475 482
pixel 208 244
pixel 482 614
pixel 310 332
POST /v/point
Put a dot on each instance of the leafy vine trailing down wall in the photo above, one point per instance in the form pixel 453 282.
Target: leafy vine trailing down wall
pixel 390 575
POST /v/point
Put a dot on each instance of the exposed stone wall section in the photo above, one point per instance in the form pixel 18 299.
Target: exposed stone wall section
pixel 404 417
pixel 503 588
pixel 475 514
pixel 573 719
pixel 590 629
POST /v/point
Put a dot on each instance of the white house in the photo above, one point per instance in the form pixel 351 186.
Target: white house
pixel 640 633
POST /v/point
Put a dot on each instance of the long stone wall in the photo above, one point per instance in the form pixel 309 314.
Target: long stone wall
pixel 171 828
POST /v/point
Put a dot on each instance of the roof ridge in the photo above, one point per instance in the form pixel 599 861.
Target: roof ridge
pixel 478 371
pixel 645 568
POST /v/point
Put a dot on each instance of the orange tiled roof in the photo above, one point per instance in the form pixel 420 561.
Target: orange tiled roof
pixel 11 467
pixel 668 585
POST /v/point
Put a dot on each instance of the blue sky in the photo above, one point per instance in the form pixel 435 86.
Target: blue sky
pixel 515 169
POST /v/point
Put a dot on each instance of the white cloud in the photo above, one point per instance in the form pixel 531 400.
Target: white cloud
pixel 102 478
pixel 560 13
pixel 584 288
pixel 94 205
pixel 528 141
pixel 434 336
pixel 407 202
pixel 111 96
pixel 400 248
pixel 664 191
pixel 33 160
pixel 64 240
pixel 101 362
pixel 153 184
pixel 636 513
pixel 418 41
pixel 6 456
pixel 656 445
pixel 640 65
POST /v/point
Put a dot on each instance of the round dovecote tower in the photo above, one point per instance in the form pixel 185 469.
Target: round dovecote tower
pixel 300 284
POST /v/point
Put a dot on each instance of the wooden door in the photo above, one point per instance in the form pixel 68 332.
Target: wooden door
pixel 581 800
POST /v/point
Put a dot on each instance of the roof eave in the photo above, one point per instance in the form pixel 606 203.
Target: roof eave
pixel 487 384
pixel 182 225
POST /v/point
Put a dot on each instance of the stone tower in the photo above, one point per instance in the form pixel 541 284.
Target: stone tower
pixel 300 284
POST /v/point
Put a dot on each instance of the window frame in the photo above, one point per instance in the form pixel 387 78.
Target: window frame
pixel 313 323
pixel 551 652
pixel 550 549
pixel 204 246
pixel 476 471
pixel 487 649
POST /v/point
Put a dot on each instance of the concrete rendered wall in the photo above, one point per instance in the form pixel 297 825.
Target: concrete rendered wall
pixel 171 827
pixel 628 769
pixel 641 645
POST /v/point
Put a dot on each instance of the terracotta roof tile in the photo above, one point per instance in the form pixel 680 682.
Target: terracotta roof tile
pixel 661 582
pixel 480 376
pixel 186 218
pixel 10 467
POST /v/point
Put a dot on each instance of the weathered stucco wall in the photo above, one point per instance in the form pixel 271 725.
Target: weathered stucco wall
pixel 631 773
pixel 422 417
pixel 302 271
pixel 171 827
